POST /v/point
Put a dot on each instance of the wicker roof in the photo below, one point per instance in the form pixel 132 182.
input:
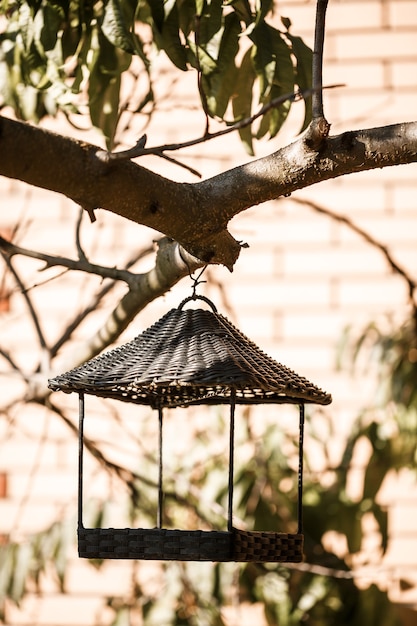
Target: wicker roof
pixel 192 356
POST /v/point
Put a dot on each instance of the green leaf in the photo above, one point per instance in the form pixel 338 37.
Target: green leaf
pixel 219 86
pixel 303 78
pixel 22 558
pixel 104 87
pixel 205 62
pixel 242 9
pixel 52 18
pixel 114 27
pixel 263 59
pixel 6 570
pixel 186 16
pixel 158 13
pixel 122 617
pixel 275 71
pixel 381 517
pixel 242 101
pixel 210 27
pixel 25 24
pixel 169 39
pixel 263 8
pixel 284 69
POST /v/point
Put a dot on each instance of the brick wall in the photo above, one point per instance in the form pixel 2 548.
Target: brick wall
pixel 303 279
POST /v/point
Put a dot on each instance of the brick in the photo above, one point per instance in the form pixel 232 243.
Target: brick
pixel 346 261
pixel 401 551
pixel 393 229
pixel 53 609
pixel 292 293
pixel 367 109
pixel 59 485
pixel 403 517
pixel 403 73
pixel 402 13
pixel 373 45
pixel 320 325
pixel 112 579
pixel 292 230
pixel 351 197
pixel 382 295
pixel 343 16
pixel 34 517
pixel 404 197
pixel 361 74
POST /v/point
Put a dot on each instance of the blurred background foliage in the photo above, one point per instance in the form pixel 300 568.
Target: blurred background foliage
pixel 321 591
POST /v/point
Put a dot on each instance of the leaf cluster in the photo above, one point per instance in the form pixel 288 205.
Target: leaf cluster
pixel 23 563
pixel 71 56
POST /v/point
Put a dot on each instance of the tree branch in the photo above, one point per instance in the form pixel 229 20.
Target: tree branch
pixel 396 267
pixel 31 308
pixel 80 265
pixel 195 215
pixel 317 74
pixel 172 263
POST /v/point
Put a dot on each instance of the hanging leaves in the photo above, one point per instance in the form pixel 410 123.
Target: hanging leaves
pixel 115 27
pixel 106 69
pixel 23 563
pixel 304 65
pixel 50 52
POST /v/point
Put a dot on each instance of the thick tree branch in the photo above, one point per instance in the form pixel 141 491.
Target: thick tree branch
pixel 195 215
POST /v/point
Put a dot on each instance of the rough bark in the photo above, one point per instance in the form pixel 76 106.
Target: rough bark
pixel 195 215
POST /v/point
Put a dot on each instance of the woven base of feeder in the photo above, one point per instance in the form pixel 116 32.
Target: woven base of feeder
pixel 267 547
pixel 189 545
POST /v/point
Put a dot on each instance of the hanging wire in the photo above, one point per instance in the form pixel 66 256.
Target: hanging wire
pixel 300 470
pixel 231 458
pixel 80 458
pixel 195 296
pixel 160 473
pixel 196 281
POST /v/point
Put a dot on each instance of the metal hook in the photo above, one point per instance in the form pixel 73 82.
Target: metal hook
pixel 197 297
pixel 197 281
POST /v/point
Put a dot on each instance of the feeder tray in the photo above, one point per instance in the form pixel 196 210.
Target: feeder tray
pixel 190 357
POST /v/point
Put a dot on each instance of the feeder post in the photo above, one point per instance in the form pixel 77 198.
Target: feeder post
pixel 81 409
pixel 160 470
pixel 231 458
pixel 300 470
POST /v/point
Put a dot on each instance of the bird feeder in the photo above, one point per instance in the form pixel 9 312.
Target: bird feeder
pixel 190 357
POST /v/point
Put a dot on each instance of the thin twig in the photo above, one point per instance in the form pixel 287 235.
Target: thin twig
pixel 29 303
pixel 369 239
pixel 200 73
pixel 9 359
pixel 317 77
pixel 79 318
pixel 82 265
pixel 93 305
pixel 81 254
pixel 159 150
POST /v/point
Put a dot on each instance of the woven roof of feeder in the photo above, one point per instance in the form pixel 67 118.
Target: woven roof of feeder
pixel 189 357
